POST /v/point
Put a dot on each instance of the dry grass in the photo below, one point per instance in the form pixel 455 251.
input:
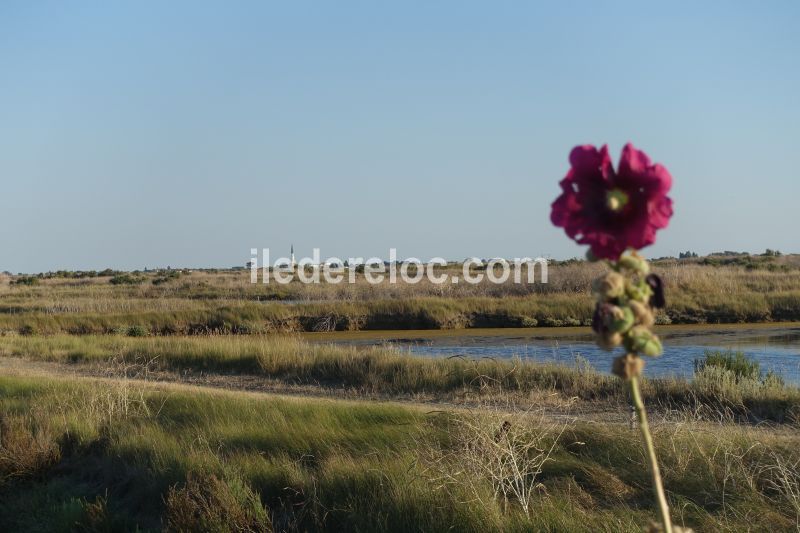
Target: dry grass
pixel 506 450
pixel 226 302
pixel 205 502
pixel 27 447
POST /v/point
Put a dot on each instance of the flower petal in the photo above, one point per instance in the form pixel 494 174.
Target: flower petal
pixel 636 170
pixel 660 211
pixel 633 161
pixel 586 160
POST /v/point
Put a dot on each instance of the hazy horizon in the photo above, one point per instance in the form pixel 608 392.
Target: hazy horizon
pixel 148 135
pixel 282 258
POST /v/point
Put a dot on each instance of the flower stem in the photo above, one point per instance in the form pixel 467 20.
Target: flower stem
pixel 658 488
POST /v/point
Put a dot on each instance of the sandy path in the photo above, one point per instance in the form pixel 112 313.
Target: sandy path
pixel 551 404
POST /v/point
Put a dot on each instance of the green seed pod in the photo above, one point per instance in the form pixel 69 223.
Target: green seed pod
pixel 642 313
pixel 640 291
pixel 610 286
pixel 609 340
pixel 641 340
pixel 620 319
pixel 627 366
pixel 634 263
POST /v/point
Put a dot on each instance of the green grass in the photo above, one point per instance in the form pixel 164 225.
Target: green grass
pixel 735 362
pixel 117 455
pixel 123 458
pixel 294 361
pixel 385 371
pixel 139 454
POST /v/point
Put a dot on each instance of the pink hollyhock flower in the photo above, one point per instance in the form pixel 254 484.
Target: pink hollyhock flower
pixel 613 211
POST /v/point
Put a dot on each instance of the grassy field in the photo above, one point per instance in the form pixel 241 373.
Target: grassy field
pixel 382 371
pixel 185 402
pixel 707 290
pixel 117 455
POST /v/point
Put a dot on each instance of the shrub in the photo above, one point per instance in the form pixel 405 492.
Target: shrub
pixel 164 277
pixel 26 280
pixel 27 448
pixel 507 453
pixel 208 503
pixel 126 279
pixel 96 516
pixel 735 371
pixel 735 362
pixel 137 331
pixel 551 322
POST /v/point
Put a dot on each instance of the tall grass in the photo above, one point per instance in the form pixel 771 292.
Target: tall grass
pixel 730 380
pixel 227 303
pixel 199 459
pixel 734 362
pixel 293 361
pixel 391 372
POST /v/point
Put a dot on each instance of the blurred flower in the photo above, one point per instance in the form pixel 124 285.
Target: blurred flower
pixel 613 211
pixel 657 299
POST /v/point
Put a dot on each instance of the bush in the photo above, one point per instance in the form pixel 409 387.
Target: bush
pixel 164 277
pixel 735 362
pixel 26 280
pixel 126 279
pixel 27 448
pixel 137 331
pixel 97 517
pixel 740 367
pixel 208 503
pixel 551 322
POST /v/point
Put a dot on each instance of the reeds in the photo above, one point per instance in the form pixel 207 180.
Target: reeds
pixel 388 371
pixel 227 303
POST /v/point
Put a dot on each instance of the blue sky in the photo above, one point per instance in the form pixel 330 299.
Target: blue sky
pixel 184 133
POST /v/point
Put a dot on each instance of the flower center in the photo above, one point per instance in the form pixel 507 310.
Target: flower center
pixel 616 199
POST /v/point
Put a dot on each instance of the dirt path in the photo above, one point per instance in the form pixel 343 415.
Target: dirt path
pixel 552 404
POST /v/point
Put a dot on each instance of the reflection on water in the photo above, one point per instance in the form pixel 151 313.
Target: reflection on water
pixel 777 349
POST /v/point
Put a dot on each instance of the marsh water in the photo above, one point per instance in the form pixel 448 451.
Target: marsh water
pixel 776 347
